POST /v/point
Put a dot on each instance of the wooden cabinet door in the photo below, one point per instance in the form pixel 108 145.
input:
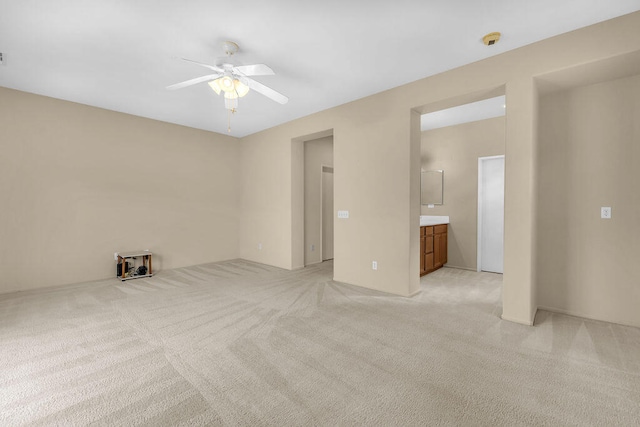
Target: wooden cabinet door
pixel 428 262
pixel 437 250
pixel 444 250
pixel 428 244
pixel 433 248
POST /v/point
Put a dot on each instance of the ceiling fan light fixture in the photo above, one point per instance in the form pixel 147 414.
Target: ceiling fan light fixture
pixel 231 95
pixel 227 84
pixel 230 103
pixel 233 88
pixel 241 88
pixel 215 85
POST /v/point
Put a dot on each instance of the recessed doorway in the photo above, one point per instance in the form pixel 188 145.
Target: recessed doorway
pixel 318 200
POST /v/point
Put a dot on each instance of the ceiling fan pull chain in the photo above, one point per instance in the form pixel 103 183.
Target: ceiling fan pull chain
pixel 231 111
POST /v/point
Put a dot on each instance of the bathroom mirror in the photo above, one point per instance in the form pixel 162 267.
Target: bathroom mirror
pixel 431 187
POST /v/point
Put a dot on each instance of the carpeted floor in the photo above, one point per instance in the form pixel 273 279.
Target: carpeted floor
pixel 238 343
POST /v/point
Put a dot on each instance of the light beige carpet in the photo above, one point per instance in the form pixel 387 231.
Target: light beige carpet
pixel 239 343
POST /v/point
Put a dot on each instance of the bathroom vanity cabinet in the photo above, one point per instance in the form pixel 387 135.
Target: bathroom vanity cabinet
pixel 433 247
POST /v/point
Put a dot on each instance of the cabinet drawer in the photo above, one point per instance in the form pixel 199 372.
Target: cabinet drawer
pixel 422 231
pixel 428 230
pixel 439 229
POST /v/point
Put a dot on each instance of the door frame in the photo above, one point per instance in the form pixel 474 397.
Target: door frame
pixel 479 225
pixel 322 170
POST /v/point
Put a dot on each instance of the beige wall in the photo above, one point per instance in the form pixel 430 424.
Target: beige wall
pixel 79 183
pixel 317 153
pixel 265 234
pixel 66 185
pixel 362 185
pixel 455 149
pixel 589 156
pixel 376 140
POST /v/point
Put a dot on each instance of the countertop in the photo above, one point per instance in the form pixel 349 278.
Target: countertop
pixel 433 220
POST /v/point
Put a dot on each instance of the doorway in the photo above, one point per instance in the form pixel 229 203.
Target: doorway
pixel 452 140
pixel 318 200
pixel 491 214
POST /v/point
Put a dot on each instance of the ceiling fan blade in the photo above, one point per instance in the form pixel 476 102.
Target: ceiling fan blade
pixel 255 70
pixel 267 91
pixel 211 67
pixel 194 81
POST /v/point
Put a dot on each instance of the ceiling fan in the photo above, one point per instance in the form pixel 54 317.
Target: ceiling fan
pixel 234 81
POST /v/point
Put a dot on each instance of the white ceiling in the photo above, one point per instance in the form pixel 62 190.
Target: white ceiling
pixel 121 54
pixel 472 112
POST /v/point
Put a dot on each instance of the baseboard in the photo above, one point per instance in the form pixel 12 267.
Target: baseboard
pixel 413 294
pixel 560 311
pixel 583 316
pixel 520 321
pixel 459 268
pixel 391 294
pixel 312 263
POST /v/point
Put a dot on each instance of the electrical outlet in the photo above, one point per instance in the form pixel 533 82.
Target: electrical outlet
pixel 374 265
pixel 259 246
pixel 605 212
pixel 313 248
pixel 1 58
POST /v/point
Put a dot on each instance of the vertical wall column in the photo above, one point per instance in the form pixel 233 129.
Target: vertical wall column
pixel 518 294
pixel 297 204
pixel 414 201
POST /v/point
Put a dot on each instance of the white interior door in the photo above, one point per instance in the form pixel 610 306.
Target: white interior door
pixel 327 213
pixel 491 214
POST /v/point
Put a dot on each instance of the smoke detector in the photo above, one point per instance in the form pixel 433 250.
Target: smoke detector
pixel 491 38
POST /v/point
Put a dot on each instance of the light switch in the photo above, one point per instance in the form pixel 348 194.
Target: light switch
pixel 343 214
pixel 605 212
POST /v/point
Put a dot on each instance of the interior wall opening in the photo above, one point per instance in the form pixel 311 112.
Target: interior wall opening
pixel 318 200
pixel 588 153
pixel 455 135
pixel 311 161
